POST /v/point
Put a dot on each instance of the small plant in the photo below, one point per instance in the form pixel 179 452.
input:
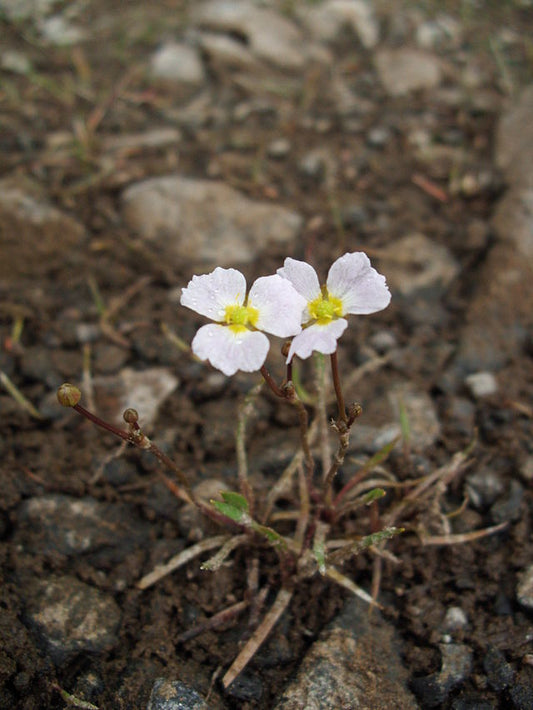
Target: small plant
pixel 291 304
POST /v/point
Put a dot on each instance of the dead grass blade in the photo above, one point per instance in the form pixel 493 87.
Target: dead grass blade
pixel 256 639
pixel 181 559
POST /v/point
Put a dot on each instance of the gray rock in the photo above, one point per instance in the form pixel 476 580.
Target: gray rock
pixel 340 669
pixel 226 52
pixel 268 35
pixel 71 617
pixel 178 63
pixel 206 222
pixel 405 70
pixel 514 140
pixel 484 487
pixel 455 620
pixel 326 20
pixel 75 526
pixel 513 218
pixel 500 315
pixel 443 31
pixel 524 588
pixel 15 62
pixel 59 31
pixel 143 390
pixel 420 412
pixel 163 137
pixel 508 509
pixel 17 10
pixel 433 689
pixel 415 263
pixel 279 148
pixel 175 695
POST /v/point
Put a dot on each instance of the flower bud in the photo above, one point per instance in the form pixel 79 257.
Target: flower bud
pixel 285 348
pixel 131 416
pixel 68 395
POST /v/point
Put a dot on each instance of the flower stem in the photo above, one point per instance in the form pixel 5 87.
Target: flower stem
pixel 138 439
pixel 337 386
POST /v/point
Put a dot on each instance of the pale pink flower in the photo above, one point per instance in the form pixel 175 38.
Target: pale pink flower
pixel 353 287
pixel 235 341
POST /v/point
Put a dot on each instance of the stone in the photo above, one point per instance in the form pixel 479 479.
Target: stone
pixel 206 222
pixel 403 71
pixel 484 487
pixel 455 620
pixel 443 31
pixel 175 695
pixel 353 664
pixel 15 62
pixel 268 35
pixel 420 412
pixel 71 617
pixel 143 390
pixel 432 690
pixel 226 52
pixel 482 384
pixel 500 314
pixel 512 220
pixel 514 140
pixel 178 63
pixel 71 526
pixel 416 263
pixel 326 20
pixel 18 10
pixel 59 31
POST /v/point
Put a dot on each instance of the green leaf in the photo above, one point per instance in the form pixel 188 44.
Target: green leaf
pixel 271 535
pixel 230 511
pixel 236 500
pixel 376 538
pixel 374 494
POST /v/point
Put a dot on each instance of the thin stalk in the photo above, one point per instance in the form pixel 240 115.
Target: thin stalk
pixel 321 411
pixel 240 445
pixel 141 441
pixel 338 460
pixel 337 387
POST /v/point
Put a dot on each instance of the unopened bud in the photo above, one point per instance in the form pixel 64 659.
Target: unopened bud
pixel 131 416
pixel 68 395
pixel 285 348
pixel 354 410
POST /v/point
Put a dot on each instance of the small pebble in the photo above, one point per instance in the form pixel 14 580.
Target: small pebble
pixel 481 384
pixel 175 695
pixel 455 619
pixel 279 148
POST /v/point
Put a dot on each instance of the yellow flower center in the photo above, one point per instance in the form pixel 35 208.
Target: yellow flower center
pixel 238 317
pixel 325 308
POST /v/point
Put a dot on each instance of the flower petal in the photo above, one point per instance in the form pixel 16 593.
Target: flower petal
pixel 322 338
pixel 302 276
pixel 279 305
pixel 209 294
pixel 357 284
pixel 230 351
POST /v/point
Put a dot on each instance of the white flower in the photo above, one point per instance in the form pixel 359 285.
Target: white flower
pixel 352 287
pixel 234 342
